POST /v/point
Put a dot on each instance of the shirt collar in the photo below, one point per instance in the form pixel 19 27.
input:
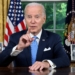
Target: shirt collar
pixel 38 35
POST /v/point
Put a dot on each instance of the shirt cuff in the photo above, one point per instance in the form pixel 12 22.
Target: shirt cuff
pixel 51 64
pixel 15 52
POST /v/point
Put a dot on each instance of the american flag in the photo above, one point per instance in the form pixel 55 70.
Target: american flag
pixel 15 20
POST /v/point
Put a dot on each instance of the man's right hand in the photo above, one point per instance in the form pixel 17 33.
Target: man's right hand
pixel 25 41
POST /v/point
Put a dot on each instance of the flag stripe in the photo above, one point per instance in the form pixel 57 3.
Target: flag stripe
pixel 23 25
pixel 16 29
pixel 20 27
pixel 9 32
pixel 6 37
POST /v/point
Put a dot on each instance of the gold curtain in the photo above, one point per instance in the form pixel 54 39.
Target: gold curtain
pixel 4 5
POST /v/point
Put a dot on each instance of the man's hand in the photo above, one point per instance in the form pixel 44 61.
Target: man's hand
pixel 39 66
pixel 24 41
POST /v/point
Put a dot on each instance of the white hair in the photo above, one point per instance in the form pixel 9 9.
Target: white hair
pixel 35 4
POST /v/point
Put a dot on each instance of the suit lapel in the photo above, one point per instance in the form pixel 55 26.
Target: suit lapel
pixel 41 46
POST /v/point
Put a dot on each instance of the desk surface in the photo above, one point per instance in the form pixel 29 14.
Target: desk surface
pixel 25 71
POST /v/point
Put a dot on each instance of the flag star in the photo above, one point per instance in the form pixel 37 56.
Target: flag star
pixel 10 6
pixel 9 14
pixel 11 2
pixel 19 11
pixel 12 14
pixel 11 18
pixel 21 14
pixel 18 19
pixel 13 10
pixel 19 7
pixel 10 10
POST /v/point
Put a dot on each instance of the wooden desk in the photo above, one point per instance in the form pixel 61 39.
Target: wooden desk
pixel 72 64
pixel 25 71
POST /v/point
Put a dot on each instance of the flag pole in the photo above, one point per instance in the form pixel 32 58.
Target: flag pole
pixel 14 16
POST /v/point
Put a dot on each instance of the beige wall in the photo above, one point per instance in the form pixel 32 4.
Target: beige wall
pixel 4 4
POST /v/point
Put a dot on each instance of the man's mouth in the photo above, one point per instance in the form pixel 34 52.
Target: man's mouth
pixel 33 26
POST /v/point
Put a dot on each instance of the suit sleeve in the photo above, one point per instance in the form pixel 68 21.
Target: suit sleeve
pixel 5 57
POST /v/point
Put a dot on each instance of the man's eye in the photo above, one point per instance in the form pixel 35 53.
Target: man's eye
pixel 29 16
pixel 37 16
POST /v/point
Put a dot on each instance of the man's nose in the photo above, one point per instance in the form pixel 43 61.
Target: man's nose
pixel 33 20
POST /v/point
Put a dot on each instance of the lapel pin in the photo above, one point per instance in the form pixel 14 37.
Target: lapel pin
pixel 43 39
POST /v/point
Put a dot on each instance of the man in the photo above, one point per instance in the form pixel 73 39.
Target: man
pixel 50 52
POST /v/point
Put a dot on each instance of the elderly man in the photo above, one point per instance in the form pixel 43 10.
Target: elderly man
pixel 35 47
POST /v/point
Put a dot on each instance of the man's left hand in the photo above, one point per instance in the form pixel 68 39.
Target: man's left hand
pixel 39 66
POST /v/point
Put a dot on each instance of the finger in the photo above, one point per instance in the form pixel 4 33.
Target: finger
pixel 28 32
pixel 33 66
pixel 41 68
pixel 37 67
pixel 26 38
pixel 29 38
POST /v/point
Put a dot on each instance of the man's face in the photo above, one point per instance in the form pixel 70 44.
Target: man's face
pixel 34 18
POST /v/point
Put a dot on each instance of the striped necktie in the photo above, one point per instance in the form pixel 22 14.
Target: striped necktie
pixel 34 47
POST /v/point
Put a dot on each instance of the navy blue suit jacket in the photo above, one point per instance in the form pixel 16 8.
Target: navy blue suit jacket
pixel 48 39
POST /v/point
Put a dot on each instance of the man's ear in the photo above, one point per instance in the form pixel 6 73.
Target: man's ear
pixel 44 19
